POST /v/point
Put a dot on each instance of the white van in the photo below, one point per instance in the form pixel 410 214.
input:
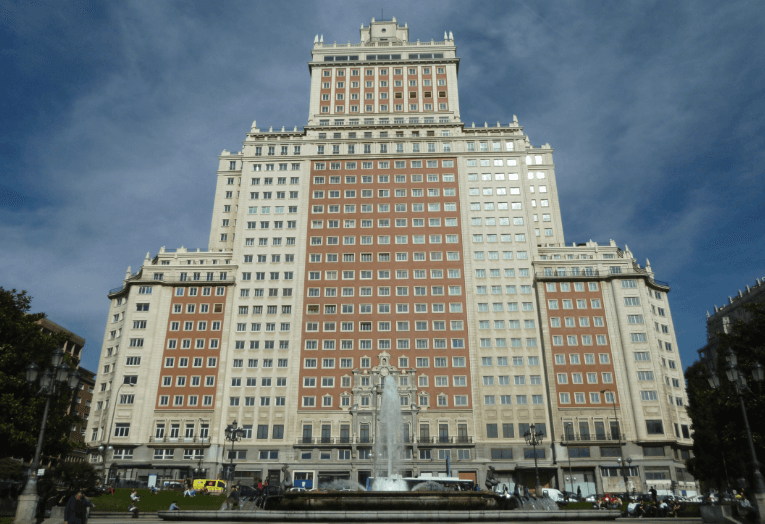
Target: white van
pixel 554 494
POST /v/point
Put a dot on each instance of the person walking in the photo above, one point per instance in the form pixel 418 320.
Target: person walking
pixel 76 511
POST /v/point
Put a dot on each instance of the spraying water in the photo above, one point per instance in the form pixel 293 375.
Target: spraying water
pixel 389 442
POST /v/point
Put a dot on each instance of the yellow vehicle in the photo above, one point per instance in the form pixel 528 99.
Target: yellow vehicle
pixel 214 487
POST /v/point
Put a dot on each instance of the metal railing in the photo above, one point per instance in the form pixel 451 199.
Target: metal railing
pixel 572 273
pixel 460 439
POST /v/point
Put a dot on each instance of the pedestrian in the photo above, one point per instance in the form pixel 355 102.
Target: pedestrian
pixel 132 508
pixel 653 494
pixel 233 499
pixel 174 506
pixel 76 511
pixel 579 492
pixel 260 484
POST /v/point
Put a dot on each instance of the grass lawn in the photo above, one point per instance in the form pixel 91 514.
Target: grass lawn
pixel 159 502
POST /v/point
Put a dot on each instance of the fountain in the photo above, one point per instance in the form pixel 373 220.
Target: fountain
pixel 390 499
pixel 389 443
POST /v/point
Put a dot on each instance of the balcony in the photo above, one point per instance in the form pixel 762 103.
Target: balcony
pixel 180 440
pixel 330 441
pixel 334 441
pixel 572 273
pixel 586 437
pixel 460 439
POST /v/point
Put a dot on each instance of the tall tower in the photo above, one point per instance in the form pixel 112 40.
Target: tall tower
pixel 384 238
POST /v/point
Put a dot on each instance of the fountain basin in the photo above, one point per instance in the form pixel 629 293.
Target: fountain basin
pixel 389 516
pixel 387 500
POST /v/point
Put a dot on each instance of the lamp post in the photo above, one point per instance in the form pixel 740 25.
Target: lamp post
pixel 57 379
pixel 233 435
pixel 739 383
pixel 534 439
pixel 619 438
pixel 199 470
pixel 570 473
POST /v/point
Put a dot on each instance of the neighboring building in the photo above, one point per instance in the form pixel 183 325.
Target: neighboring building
pixel 387 238
pixel 81 399
pixel 81 408
pixel 74 344
pixel 608 328
pixel 724 318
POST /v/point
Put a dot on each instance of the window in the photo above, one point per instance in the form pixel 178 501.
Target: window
pixel 654 427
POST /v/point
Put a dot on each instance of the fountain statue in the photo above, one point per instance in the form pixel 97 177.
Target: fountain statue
pixel 491 479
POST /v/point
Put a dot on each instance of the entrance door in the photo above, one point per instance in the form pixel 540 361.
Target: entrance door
pixel 363 476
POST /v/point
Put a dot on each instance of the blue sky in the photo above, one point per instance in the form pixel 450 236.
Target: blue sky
pixel 113 114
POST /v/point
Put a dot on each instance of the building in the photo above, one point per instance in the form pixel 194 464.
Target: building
pixel 82 398
pixel 388 238
pixel 724 318
pixel 614 374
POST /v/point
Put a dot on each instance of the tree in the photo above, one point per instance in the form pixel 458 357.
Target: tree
pixel 22 342
pixel 720 447
pixel 76 475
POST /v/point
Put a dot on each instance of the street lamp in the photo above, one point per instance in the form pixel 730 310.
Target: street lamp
pixel 57 379
pixel 534 439
pixel 739 383
pixel 619 437
pixel 233 434
pixel 570 473
pixel 102 451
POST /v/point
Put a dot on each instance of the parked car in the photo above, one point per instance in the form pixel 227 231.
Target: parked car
pixel 214 487
pixel 572 497
pixel 174 486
